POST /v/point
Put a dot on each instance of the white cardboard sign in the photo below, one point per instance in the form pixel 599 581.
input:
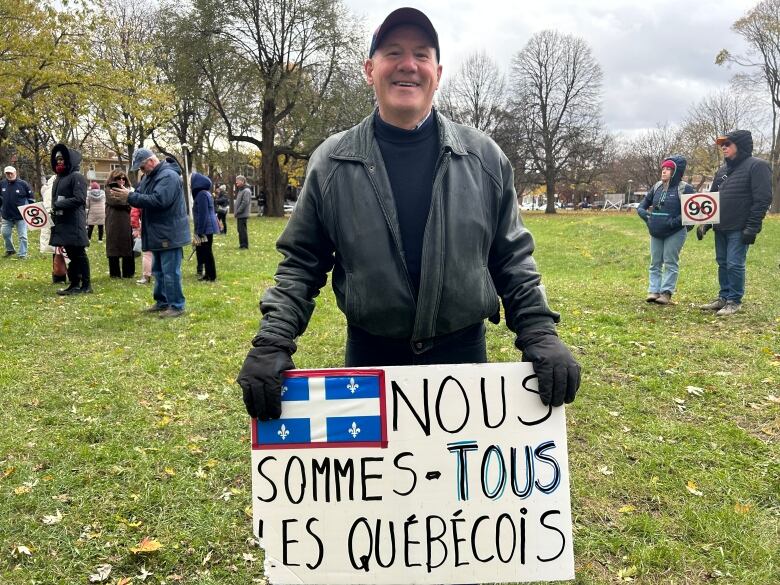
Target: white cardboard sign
pixel 700 208
pixel 413 474
pixel 34 215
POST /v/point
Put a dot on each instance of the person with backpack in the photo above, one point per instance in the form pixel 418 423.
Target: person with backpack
pixel 661 211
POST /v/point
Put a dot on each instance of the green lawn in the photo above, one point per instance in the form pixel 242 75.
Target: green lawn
pixel 118 426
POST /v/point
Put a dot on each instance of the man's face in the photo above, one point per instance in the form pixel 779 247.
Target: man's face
pixel 405 75
pixel 11 176
pixel 729 149
pixel 240 184
pixel 148 165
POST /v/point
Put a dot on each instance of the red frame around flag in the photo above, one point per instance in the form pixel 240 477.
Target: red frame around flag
pixel 380 374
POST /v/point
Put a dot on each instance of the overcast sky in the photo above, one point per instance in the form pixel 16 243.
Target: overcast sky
pixel 657 56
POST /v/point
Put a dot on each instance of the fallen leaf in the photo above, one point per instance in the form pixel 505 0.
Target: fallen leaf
pixel 8 471
pixel 627 509
pixel 55 519
pixel 614 413
pixel 772 398
pixel 101 573
pixel 208 557
pixel 679 401
pixel 742 508
pixel 695 390
pixel 22 489
pixel 144 574
pixel 604 470
pixel 249 557
pixel 203 396
pixel 691 487
pixel 20 549
pixel 124 581
pixel 628 573
pixel 169 471
pixel 147 545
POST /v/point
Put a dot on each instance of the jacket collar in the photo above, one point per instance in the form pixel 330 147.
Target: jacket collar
pixel 358 143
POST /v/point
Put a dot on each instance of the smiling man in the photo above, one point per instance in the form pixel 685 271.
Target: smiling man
pixel 417 218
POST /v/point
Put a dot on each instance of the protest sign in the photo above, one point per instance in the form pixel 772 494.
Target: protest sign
pixel 700 208
pixel 413 474
pixel 34 215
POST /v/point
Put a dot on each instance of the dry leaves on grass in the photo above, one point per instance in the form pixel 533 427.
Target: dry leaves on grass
pixel 627 509
pixel 56 518
pixel 740 508
pixel 147 545
pixel 101 573
pixel 20 549
pixel 692 489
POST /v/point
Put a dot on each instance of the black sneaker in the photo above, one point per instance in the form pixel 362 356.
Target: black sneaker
pixel 86 289
pixel 171 313
pixel 9 252
pixel 71 290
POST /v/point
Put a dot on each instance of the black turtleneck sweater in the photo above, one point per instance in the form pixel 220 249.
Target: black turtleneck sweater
pixel 410 159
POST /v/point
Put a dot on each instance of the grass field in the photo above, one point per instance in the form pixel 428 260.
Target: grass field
pixel 118 427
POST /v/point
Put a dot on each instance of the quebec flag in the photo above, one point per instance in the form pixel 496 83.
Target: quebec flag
pixel 327 408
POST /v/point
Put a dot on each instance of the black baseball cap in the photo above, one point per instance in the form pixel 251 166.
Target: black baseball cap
pixel 404 16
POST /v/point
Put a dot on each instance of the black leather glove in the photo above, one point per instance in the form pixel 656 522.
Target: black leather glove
pixel 702 230
pixel 748 237
pixel 261 378
pixel 557 370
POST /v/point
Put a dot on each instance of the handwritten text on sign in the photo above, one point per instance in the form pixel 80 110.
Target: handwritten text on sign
pixel 35 215
pixel 700 208
pixel 425 474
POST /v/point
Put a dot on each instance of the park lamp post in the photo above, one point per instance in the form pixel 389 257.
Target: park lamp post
pixel 628 194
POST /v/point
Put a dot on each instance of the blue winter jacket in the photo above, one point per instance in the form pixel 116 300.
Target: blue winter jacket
pixel 165 222
pixel 13 194
pixel 665 218
pixel 203 207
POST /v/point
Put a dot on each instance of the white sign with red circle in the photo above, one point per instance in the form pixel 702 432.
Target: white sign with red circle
pixel 34 215
pixel 700 208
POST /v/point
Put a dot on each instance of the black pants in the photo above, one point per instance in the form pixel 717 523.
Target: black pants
pixel 127 266
pixel 243 238
pixel 223 218
pixel 78 269
pixel 205 256
pixel 91 228
pixel 466 346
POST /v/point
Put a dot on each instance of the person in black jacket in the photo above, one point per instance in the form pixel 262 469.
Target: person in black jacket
pixel 68 199
pixel 745 186
pixel 13 193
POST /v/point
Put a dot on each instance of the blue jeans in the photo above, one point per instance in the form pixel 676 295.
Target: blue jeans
pixel 665 261
pixel 21 230
pixel 166 269
pixel 731 256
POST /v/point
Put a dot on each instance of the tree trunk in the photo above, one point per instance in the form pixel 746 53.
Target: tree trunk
pixel 775 207
pixel 550 196
pixel 274 193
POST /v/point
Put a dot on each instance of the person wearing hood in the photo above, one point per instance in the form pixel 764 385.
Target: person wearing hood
pixel 661 211
pixel 96 210
pixel 744 183
pixel 69 196
pixel 13 193
pixel 119 233
pixel 206 224
pixel 165 227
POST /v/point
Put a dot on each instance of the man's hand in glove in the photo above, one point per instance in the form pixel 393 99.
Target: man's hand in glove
pixel 701 230
pixel 748 237
pixel 557 370
pixel 261 378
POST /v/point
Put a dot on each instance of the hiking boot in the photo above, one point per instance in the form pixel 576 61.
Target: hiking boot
pixel 155 309
pixel 71 290
pixel 9 252
pixel 715 305
pixel 729 309
pixel 170 313
pixel 651 297
pixel 664 298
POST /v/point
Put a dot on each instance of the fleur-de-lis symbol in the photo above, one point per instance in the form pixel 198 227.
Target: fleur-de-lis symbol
pixel 352 386
pixel 283 432
pixel 284 389
pixel 354 430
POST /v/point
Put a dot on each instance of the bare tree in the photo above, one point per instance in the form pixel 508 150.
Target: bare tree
pixel 711 117
pixel 642 156
pixel 760 27
pixel 475 95
pixel 556 88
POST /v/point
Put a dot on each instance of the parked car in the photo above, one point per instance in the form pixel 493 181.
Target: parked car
pixel 629 206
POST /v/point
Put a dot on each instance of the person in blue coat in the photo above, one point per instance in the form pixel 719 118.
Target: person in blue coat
pixel 13 193
pixel 661 211
pixel 165 227
pixel 206 225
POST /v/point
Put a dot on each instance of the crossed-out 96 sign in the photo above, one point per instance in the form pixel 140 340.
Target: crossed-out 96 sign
pixel 34 215
pixel 700 208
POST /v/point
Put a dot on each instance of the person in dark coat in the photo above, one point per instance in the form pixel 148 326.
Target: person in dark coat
pixel 68 199
pixel 222 204
pixel 13 193
pixel 119 234
pixel 744 183
pixel 205 224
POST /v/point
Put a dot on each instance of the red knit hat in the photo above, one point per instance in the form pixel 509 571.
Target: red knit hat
pixel 668 164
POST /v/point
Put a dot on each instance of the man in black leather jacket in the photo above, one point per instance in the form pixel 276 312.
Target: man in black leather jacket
pixel 745 186
pixel 417 218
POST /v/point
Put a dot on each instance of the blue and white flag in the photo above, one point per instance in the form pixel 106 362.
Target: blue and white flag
pixel 334 409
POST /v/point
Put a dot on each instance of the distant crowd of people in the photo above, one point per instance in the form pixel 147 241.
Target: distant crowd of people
pixel 150 221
